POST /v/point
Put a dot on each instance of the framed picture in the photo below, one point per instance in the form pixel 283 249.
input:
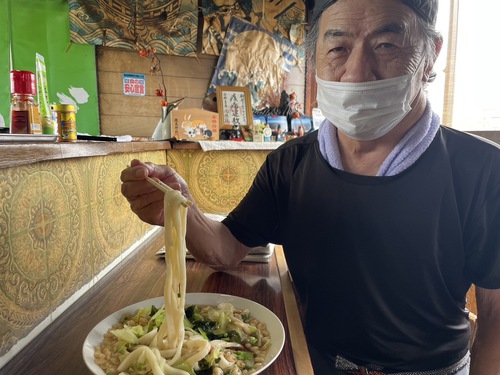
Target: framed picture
pixel 234 106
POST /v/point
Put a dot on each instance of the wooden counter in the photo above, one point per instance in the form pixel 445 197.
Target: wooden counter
pixel 58 349
pixel 15 154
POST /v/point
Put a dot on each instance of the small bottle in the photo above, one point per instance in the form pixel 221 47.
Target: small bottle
pixel 64 117
pixel 24 110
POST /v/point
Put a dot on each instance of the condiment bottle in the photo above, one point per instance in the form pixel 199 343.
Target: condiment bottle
pixel 24 110
pixel 64 115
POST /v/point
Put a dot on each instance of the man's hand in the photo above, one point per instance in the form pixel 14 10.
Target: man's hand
pixel 146 201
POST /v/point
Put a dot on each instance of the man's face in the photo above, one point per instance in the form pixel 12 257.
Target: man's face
pixel 368 40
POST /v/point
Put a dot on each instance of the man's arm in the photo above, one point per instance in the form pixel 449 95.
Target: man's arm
pixel 486 348
pixel 209 241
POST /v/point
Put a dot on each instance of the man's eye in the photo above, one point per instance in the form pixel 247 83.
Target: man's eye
pixel 386 45
pixel 337 50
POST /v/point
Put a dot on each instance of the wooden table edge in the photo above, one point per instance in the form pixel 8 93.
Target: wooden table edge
pixel 300 350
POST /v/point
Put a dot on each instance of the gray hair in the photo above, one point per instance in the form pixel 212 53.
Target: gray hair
pixel 426 11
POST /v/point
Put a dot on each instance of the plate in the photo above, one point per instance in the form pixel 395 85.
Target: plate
pixel 28 137
pixel 261 313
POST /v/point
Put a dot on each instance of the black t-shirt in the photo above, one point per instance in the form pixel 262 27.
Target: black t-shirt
pixel 382 264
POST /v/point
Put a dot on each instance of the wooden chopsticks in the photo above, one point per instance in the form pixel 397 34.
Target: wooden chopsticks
pixel 165 188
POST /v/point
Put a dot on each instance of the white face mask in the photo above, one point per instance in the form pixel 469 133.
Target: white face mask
pixel 368 110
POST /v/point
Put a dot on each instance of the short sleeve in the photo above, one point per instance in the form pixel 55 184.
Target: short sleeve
pixel 482 232
pixel 254 222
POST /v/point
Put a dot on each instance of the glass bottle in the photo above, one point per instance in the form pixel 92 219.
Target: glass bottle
pixel 24 110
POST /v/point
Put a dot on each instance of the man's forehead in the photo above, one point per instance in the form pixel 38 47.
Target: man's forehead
pixel 353 21
pixel 425 9
pixel 391 28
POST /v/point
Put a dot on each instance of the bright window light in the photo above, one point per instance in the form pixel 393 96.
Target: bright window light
pixel 476 95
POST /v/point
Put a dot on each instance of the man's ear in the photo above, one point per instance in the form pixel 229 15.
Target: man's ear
pixel 438 44
pixel 429 74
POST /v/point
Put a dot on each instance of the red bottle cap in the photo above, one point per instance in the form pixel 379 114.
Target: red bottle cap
pixel 22 82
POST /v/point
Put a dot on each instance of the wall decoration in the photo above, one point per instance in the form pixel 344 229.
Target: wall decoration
pixel 234 106
pixel 169 26
pixel 134 84
pixel 284 18
pixel 255 58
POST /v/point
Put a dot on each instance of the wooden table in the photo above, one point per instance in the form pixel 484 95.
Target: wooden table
pixel 58 349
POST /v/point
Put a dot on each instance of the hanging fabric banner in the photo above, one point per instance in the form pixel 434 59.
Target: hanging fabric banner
pixel 253 57
pixel 284 18
pixel 169 26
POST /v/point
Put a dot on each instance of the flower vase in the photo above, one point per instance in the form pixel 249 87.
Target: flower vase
pixel 163 129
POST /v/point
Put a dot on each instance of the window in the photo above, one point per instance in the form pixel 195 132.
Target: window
pixel 466 91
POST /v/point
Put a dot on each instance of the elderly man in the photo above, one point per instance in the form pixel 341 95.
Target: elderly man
pixel 386 217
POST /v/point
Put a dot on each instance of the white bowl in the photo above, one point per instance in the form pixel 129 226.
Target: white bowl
pixel 259 312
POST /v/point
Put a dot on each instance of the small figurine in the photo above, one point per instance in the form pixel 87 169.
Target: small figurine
pixel 236 134
pixel 295 106
pixel 267 132
pixel 280 136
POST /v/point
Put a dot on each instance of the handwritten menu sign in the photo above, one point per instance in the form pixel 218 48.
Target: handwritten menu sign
pixel 234 106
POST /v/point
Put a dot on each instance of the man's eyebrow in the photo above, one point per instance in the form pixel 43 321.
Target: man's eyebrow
pixel 332 33
pixel 391 28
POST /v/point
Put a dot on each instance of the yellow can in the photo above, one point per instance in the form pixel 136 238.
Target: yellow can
pixel 65 117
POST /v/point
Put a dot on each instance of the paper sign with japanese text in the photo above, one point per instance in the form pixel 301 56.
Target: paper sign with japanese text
pixel 134 84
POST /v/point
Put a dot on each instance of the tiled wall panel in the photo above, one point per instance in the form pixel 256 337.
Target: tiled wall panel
pixel 217 179
pixel 61 223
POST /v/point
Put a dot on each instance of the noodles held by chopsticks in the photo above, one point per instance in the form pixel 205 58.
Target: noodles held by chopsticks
pixel 171 333
pixel 170 336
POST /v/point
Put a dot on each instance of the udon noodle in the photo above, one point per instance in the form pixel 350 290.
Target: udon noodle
pixel 171 333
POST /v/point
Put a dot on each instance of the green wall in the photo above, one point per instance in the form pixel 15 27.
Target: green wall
pixel 42 26
pixel 4 61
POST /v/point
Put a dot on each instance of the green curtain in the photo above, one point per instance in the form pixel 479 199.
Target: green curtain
pixel 4 62
pixel 42 26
